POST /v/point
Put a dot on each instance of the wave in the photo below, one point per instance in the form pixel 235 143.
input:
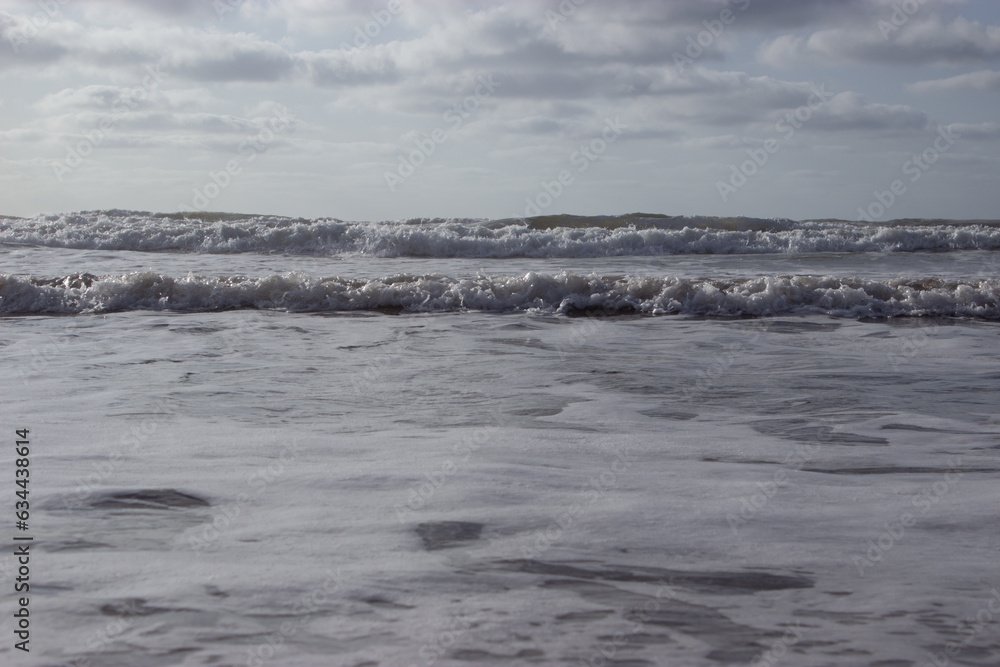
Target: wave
pixel 566 293
pixel 561 236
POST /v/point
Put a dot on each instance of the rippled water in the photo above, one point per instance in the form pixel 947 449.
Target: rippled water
pixel 529 488
pixel 264 487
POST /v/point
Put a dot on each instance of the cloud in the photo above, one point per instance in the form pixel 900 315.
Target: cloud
pixel 115 116
pixel 976 130
pixel 21 135
pixel 600 54
pixel 105 97
pixel 365 102
pixel 193 53
pixel 850 111
pixel 922 40
pixel 723 141
pixel 516 34
pixel 628 49
pixel 352 67
pixel 174 10
pixel 981 81
pixel 782 51
pixel 154 121
pixel 20 43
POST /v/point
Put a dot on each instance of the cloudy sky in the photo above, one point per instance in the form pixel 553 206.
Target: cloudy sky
pixel 442 108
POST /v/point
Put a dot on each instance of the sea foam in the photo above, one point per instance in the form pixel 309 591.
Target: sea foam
pixel 550 236
pixel 565 292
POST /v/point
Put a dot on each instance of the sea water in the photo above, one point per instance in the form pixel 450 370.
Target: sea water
pixel 634 440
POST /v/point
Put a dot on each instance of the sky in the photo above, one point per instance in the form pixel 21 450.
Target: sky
pixel 397 109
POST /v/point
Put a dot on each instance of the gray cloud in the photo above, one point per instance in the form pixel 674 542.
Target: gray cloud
pixel 562 74
pixel 977 130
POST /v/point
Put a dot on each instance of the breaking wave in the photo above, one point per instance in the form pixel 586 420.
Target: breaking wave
pixel 560 236
pixel 566 293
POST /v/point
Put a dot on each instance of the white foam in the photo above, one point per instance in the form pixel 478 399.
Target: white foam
pixel 562 236
pixel 564 292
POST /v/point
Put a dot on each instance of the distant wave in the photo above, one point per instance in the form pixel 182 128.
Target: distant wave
pixel 567 293
pixel 548 236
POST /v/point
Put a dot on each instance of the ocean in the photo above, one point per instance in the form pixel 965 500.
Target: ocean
pixel 606 440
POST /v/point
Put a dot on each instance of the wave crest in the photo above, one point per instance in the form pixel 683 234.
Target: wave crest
pixel 566 292
pixel 549 236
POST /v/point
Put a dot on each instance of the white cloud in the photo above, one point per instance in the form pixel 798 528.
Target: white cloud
pixel 981 81
pixel 850 111
pixel 924 39
pixel 106 97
